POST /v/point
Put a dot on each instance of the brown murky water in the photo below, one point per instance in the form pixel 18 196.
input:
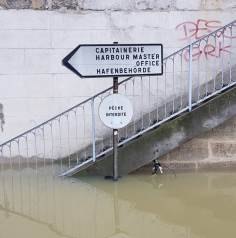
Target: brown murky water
pixel 190 205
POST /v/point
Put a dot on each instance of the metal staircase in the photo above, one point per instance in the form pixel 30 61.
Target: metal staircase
pixel 76 138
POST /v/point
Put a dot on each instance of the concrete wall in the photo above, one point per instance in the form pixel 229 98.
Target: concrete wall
pixel 35 86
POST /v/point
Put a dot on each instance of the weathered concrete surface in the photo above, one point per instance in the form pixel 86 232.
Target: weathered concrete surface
pixel 171 135
pixel 118 5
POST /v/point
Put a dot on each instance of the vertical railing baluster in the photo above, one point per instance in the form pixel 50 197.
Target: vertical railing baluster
pixel 198 79
pixel 60 142
pixel 76 135
pixel 214 81
pixel 93 130
pixel 44 159
pixel 11 166
pixel 165 89
pixel 27 150
pixel 126 128
pixel 84 119
pixel 230 55
pixel 36 152
pixel 19 158
pixel 102 142
pixel 68 140
pixel 190 78
pixel 173 83
pixel 181 80
pixel 142 126
pixel 134 100
pixel 206 73
pixel 222 58
pixel 221 55
pixel 52 144
pixel 149 99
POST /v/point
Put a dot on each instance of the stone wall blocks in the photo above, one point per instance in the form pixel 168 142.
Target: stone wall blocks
pixel 192 150
pixel 218 4
pixel 117 5
pixel 21 39
pixel 223 149
pixel 16 4
pixel 188 5
pixel 24 20
pixel 11 61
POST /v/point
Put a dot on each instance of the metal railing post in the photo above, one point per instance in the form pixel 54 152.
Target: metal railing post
pixel 93 130
pixel 190 78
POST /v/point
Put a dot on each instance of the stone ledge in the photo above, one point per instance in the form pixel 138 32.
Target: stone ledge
pixel 118 5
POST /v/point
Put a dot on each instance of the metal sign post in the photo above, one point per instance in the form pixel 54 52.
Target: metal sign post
pixel 115 137
pixel 115 133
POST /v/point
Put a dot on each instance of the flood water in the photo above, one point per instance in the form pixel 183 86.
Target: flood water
pixel 37 205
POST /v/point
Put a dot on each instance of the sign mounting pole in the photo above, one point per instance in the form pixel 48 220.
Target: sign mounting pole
pixel 115 133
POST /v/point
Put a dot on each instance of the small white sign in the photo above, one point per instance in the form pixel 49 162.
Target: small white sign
pixel 115 60
pixel 116 111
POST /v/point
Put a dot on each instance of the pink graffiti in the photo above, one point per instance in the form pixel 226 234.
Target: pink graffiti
pixel 195 30
pixel 190 30
pixel 207 51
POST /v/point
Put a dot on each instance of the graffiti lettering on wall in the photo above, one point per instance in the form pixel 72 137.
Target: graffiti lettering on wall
pixel 192 31
pixel 208 50
pixel 2 121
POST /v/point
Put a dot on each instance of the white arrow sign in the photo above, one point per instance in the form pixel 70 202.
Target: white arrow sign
pixel 115 60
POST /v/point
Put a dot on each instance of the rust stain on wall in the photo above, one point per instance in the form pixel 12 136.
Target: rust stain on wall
pixel 2 120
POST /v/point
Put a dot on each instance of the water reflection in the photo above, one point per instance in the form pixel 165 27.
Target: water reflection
pixel 36 204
